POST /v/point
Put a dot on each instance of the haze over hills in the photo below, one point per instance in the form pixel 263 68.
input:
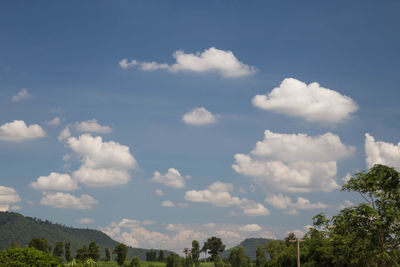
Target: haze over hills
pixel 16 228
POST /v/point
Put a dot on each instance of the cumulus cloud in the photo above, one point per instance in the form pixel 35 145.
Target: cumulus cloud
pixel 8 196
pixel 199 116
pixel 66 200
pixel 179 236
pixel 65 133
pixel 103 163
pixel 92 126
pixel 85 221
pixel 223 62
pixel 54 122
pixel 311 102
pixel 168 203
pixel 218 195
pixel 250 228
pixel 294 162
pixel 172 178
pixel 18 131
pixel 285 203
pixel 21 95
pixel 55 181
pixel 379 152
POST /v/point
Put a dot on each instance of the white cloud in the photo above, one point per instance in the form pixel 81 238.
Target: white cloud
pixel 92 126
pixel 66 200
pixel 294 162
pixel 199 116
pixel 311 102
pixel 168 203
pixel 85 221
pixel 159 192
pixel 285 203
pixel 218 195
pixel 179 236
pixel 211 60
pixel 103 163
pixel 55 181
pixel 21 95
pixel 54 122
pixel 250 228
pixel 8 196
pixel 345 204
pixel 379 152
pixel 172 178
pixel 346 178
pixel 66 133
pixel 18 131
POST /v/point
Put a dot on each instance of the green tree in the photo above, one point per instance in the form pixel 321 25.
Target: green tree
pixel 367 234
pixel 27 257
pixel 135 262
pixel 161 256
pixel 218 262
pixel 68 256
pixel 108 255
pixel 214 246
pixel 58 249
pixel 121 250
pixel 237 257
pixel 174 260
pixel 40 244
pixel 195 251
pixel 93 251
pixel 82 253
pixel 260 256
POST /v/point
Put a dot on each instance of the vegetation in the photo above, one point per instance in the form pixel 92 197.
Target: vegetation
pixel 27 257
pixel 121 251
pixel 213 246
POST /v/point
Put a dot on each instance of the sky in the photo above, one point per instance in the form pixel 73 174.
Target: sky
pixel 160 122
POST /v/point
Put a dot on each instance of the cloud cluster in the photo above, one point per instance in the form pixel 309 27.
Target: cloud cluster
pixel 85 221
pixel 54 122
pixel 223 62
pixel 18 131
pixel 311 102
pixel 172 178
pixel 379 152
pixel 8 196
pixel 285 203
pixel 55 181
pixel 21 95
pixel 199 116
pixel 294 162
pixel 103 163
pixel 180 236
pixel 66 200
pixel 218 194
pixel 92 126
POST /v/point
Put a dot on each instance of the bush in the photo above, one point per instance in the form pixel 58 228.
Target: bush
pixel 27 257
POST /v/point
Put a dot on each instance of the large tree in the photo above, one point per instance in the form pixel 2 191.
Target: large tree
pixel 68 256
pixel 367 234
pixel 40 244
pixel 58 249
pixel 195 251
pixel 93 250
pixel 121 250
pixel 213 246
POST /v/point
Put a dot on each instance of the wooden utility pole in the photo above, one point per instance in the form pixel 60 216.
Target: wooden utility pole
pixel 298 249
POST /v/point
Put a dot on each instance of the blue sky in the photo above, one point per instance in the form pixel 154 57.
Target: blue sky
pixel 160 122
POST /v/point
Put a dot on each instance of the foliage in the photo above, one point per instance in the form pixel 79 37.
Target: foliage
pixel 218 262
pixel 93 251
pixel 58 249
pixel 135 262
pixel 238 258
pixel 161 256
pixel 250 247
pixel 195 251
pixel 68 256
pixel 27 257
pixel 121 251
pixel 174 260
pixel 40 244
pixel 213 246
pixel 260 256
pixel 82 253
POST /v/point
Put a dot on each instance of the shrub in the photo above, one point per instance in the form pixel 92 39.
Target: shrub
pixel 27 257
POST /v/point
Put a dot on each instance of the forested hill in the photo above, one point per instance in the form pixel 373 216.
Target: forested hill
pixel 250 246
pixel 16 228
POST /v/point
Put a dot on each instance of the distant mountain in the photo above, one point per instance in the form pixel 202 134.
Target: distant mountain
pixel 250 246
pixel 16 228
